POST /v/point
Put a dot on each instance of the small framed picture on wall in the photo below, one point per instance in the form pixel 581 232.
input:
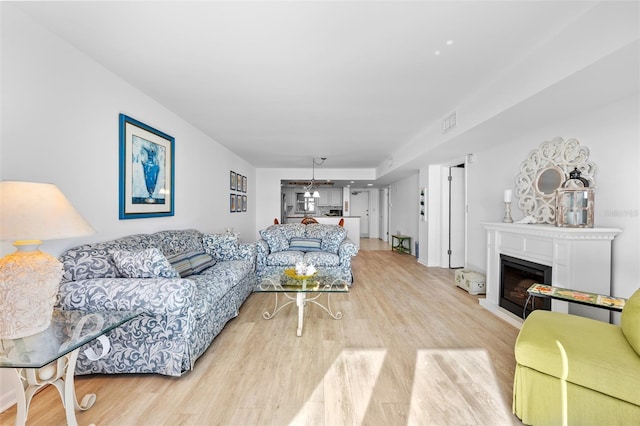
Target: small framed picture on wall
pixel 232 203
pixel 233 180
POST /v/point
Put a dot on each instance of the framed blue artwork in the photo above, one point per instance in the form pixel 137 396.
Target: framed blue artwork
pixel 146 170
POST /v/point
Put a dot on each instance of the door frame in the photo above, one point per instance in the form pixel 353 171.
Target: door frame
pixel 460 187
pixel 444 208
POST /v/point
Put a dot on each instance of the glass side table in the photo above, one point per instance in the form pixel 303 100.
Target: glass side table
pixel 49 357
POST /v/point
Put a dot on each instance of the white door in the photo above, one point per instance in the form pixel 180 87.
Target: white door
pixel 360 207
pixel 457 216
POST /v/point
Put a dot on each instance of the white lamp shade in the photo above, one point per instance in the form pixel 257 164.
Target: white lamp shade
pixel 38 211
pixel 29 279
pixel 316 194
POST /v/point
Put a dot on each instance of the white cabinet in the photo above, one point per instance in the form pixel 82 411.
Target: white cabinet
pixel 328 197
pixel 335 197
pixel 324 197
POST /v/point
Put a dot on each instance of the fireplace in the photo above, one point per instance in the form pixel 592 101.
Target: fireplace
pixel 580 259
pixel 516 276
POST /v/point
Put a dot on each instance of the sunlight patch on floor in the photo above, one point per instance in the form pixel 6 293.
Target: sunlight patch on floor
pixel 345 390
pixel 456 386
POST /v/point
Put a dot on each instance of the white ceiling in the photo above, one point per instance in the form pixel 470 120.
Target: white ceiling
pixel 281 82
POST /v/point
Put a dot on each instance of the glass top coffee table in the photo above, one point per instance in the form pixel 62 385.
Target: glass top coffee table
pixel 49 357
pixel 301 291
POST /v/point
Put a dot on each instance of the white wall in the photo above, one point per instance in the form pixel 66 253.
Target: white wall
pixel 577 84
pixel 432 230
pixel 538 76
pixel 611 133
pixel 346 201
pixel 404 197
pixel 423 225
pixel 60 125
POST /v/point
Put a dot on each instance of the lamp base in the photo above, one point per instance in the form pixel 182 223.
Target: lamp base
pixel 29 283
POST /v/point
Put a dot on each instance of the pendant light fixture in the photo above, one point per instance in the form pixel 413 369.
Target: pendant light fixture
pixel 312 185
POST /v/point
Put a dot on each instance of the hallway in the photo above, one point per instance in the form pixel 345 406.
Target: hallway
pixel 374 244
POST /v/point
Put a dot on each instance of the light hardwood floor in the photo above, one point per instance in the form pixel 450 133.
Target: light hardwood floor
pixel 374 244
pixel 411 349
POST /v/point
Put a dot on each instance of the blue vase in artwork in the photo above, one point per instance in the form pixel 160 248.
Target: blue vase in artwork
pixel 151 170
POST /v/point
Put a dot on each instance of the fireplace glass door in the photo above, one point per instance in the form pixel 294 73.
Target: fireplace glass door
pixel 516 276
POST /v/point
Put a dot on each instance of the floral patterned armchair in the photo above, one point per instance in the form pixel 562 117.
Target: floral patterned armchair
pixel 186 284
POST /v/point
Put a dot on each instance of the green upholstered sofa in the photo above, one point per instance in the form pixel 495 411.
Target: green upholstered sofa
pixel 577 371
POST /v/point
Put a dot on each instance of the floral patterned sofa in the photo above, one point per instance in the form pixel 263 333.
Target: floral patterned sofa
pixel 187 285
pixel 326 247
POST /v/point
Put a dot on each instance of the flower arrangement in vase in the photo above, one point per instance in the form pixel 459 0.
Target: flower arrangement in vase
pixel 302 272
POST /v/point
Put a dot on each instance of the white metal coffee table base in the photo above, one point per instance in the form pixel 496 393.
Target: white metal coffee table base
pixel 301 300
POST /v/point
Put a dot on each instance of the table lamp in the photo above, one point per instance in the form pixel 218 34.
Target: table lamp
pixel 29 213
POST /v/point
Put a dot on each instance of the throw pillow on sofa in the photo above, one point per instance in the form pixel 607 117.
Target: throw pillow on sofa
pixel 275 238
pixel 200 262
pixel 332 235
pixel 305 244
pixel 190 263
pixel 148 263
pixel 221 246
pixel 181 264
pixel 332 240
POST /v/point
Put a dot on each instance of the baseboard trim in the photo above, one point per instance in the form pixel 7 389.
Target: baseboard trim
pixel 7 400
pixel 501 313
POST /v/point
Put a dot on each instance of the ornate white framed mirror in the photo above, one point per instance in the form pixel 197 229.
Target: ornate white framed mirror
pixel 548 180
pixel 545 170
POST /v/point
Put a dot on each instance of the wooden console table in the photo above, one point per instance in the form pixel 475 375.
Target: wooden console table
pixel 573 296
pixel 397 243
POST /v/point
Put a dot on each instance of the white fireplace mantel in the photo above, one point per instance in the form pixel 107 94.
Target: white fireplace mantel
pixel 580 259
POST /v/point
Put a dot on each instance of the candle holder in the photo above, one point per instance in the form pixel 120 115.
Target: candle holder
pixel 507 213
